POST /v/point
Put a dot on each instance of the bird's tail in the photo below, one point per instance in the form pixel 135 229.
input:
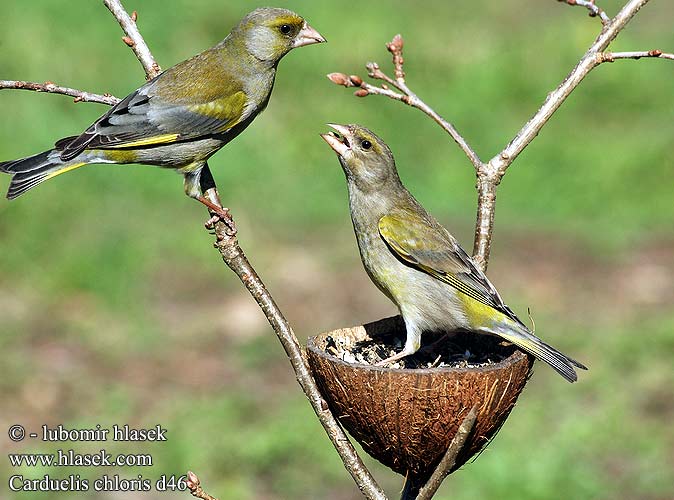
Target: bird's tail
pixel 523 338
pixel 29 172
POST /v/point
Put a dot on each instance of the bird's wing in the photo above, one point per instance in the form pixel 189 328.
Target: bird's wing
pixel 430 248
pixel 164 111
pixel 141 120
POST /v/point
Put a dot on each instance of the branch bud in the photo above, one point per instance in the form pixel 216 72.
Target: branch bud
pixel 134 16
pixel 340 79
pixel 361 93
pixel 396 45
pixel 356 80
pixel 127 40
pixel 655 53
pixel 192 480
pixel 373 70
pixel 396 49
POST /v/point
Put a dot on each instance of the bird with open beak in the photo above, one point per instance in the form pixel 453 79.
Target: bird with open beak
pixel 416 263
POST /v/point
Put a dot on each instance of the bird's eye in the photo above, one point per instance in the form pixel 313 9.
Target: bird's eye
pixel 366 144
pixel 285 29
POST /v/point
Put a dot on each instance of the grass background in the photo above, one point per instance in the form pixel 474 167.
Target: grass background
pixel 115 309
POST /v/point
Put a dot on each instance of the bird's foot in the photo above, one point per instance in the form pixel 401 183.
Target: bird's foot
pixel 224 216
pixel 218 214
pixel 210 223
pixel 402 354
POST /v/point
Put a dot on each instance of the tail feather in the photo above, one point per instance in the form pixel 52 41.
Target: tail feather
pixel 29 172
pixel 577 364
pixel 558 361
pixel 24 164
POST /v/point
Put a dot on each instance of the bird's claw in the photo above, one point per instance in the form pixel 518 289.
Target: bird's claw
pixel 224 216
pixel 210 223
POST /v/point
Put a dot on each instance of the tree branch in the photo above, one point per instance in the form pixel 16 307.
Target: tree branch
pixel 489 174
pixel 133 37
pixel 614 56
pixel 594 10
pixel 395 47
pixel 79 95
pixel 498 165
pixel 235 259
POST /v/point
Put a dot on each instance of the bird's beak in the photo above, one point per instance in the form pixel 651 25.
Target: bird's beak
pixel 307 36
pixel 339 140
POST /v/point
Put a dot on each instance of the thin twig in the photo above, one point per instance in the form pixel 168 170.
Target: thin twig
pixel 52 88
pixel 405 95
pixel 133 37
pixel 194 485
pixel 614 56
pixel 590 60
pixel 234 257
pixel 489 174
pixel 448 461
pixel 395 47
pixel 497 166
pixel 594 10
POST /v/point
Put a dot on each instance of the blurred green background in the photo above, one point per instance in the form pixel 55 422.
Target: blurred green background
pixel 115 309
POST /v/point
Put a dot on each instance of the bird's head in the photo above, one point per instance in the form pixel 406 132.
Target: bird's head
pixel 365 158
pixel 270 33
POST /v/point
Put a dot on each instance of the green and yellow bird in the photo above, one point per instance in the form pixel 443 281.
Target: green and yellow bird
pixel 183 116
pixel 416 263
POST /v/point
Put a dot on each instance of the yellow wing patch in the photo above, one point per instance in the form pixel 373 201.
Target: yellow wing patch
pixel 478 313
pixel 387 228
pixel 65 169
pixel 394 231
pixel 227 109
pixel 149 141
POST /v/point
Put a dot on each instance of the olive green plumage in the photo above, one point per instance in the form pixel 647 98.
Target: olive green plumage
pixel 187 113
pixel 415 262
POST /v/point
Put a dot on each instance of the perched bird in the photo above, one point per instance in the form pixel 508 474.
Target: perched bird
pixel 416 263
pixel 183 116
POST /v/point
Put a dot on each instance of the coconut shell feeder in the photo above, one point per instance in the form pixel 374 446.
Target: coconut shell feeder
pixel 406 418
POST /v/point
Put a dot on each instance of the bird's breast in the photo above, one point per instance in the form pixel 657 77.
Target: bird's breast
pixel 423 300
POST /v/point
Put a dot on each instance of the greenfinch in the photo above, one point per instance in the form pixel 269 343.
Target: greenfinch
pixel 179 119
pixel 416 263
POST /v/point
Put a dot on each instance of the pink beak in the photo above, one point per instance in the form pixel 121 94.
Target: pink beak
pixel 339 141
pixel 307 36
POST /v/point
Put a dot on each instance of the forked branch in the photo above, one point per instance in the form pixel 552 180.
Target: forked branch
pixel 404 94
pixel 490 174
pixel 234 257
pixel 133 37
pixel 594 10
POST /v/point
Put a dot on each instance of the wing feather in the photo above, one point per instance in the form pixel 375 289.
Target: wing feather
pixel 177 105
pixel 138 122
pixel 426 245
